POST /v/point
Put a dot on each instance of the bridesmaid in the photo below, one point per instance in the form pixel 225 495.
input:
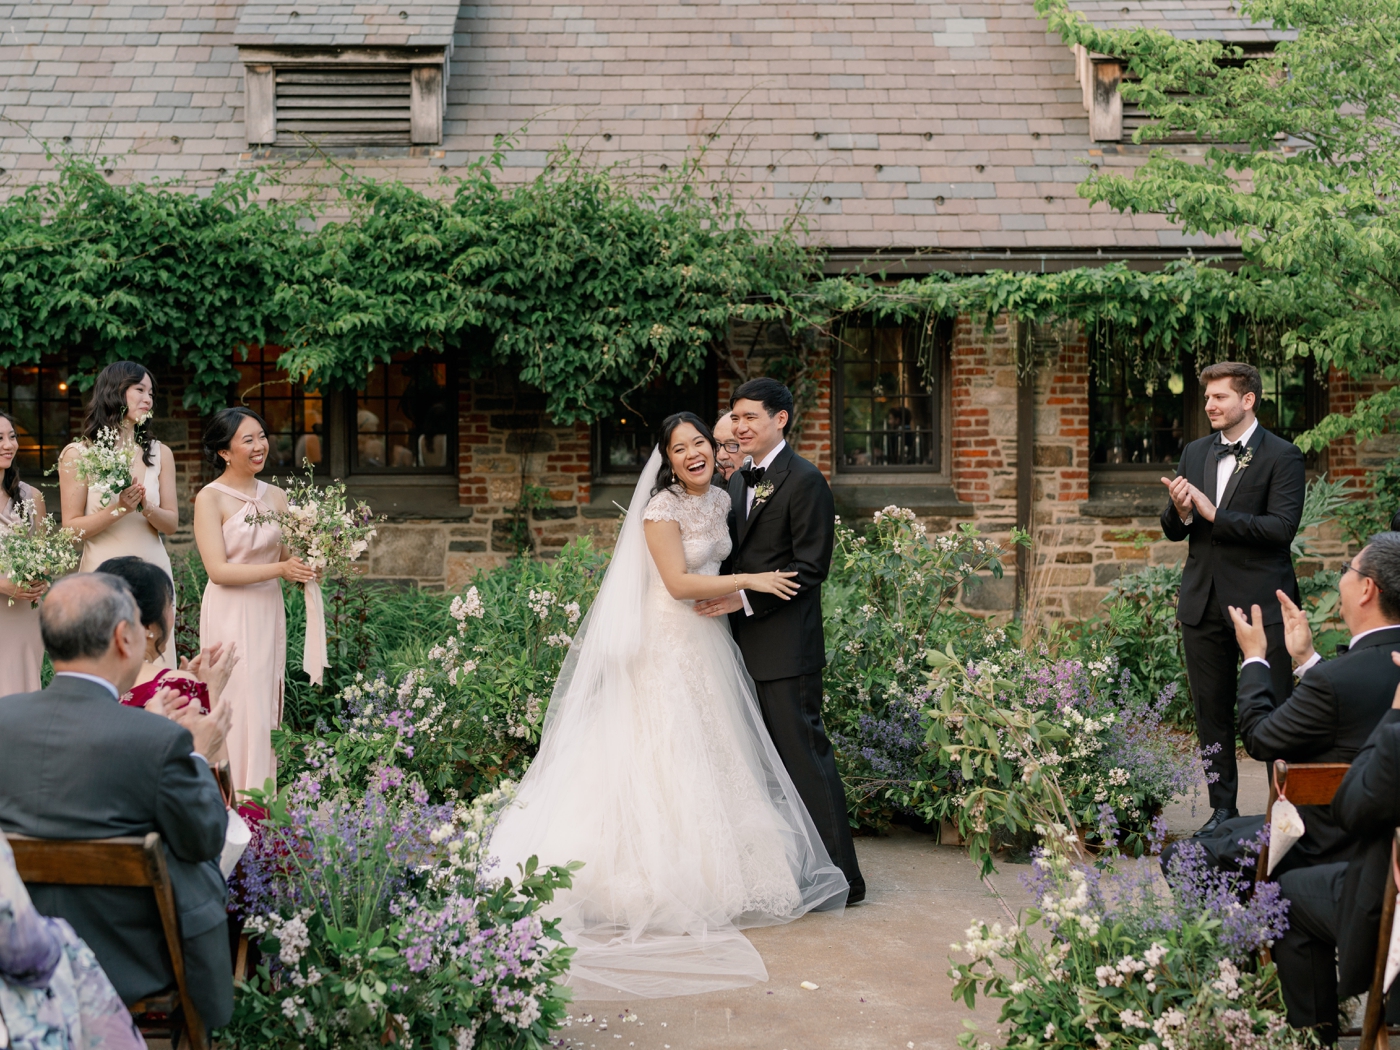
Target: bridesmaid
pixel 243 600
pixel 21 649
pixel 133 523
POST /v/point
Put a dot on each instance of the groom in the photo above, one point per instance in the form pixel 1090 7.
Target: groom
pixel 784 519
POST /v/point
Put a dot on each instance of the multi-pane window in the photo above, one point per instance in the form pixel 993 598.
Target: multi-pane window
pixel 405 417
pixel 627 434
pixel 37 397
pixel 294 417
pixel 1135 419
pixel 889 380
pixel 1139 415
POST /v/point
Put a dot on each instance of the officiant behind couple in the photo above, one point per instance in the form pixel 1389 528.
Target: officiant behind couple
pixel 691 775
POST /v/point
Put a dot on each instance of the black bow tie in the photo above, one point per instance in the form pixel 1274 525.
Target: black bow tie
pixel 1237 450
pixel 753 475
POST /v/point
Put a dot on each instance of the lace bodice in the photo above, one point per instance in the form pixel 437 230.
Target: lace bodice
pixel 704 522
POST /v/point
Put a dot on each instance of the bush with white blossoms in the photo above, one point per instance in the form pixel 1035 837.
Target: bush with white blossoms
pixel 1124 960
pixel 378 921
pixel 467 713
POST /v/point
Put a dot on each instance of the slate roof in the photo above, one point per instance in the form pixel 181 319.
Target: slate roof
pixel 906 125
pixel 1187 19
pixel 312 23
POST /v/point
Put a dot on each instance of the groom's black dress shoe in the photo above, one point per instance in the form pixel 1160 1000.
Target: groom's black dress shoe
pixel 1220 816
pixel 857 893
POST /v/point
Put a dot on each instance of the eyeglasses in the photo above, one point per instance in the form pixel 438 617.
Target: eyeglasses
pixel 1349 567
pixel 729 446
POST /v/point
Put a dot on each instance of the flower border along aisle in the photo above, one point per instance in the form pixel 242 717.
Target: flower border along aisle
pixel 322 531
pixel 379 923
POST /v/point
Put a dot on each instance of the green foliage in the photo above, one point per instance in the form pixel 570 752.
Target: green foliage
pixel 1323 501
pixel 374 928
pixel 1306 182
pixel 1363 518
pixel 1116 960
pixel 460 705
pixel 888 599
pixel 1140 614
pixel 152 273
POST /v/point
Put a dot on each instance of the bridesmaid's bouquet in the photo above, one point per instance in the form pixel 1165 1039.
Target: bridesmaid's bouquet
pixel 104 466
pixel 321 529
pixel 36 550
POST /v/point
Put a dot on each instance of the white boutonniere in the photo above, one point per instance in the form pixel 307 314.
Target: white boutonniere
pixel 1244 460
pixel 762 491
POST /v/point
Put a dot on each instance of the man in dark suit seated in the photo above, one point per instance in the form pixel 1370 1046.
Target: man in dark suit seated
pixel 1334 911
pixel 1335 704
pixel 76 764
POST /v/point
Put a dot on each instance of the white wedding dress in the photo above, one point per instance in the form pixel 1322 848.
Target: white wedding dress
pixel 656 771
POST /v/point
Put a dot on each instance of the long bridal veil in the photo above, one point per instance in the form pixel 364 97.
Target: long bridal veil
pixel 656 771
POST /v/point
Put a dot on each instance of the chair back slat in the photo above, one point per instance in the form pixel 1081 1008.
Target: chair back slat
pixel 122 861
pixel 82 862
pixel 1307 783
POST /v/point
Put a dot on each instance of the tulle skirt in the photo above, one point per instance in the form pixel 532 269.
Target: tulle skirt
pixel 657 773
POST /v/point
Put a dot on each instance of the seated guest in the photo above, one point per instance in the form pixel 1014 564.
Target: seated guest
pixel 53 995
pixel 1333 707
pixel 1334 910
pixel 76 764
pixel 200 678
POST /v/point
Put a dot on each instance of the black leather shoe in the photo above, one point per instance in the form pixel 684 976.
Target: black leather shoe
pixel 1220 816
pixel 857 893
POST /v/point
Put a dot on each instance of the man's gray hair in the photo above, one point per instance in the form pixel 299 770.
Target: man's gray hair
pixel 1382 564
pixel 723 416
pixel 80 613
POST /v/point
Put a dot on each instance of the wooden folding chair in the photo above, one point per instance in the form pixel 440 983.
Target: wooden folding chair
pixel 125 861
pixel 1373 1028
pixel 1303 784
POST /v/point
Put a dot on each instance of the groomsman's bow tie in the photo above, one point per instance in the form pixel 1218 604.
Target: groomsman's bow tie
pixel 1237 449
pixel 753 475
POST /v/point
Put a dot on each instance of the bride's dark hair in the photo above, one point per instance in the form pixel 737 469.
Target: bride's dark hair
pixel 666 477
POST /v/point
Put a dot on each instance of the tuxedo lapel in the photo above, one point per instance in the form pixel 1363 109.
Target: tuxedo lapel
pixel 775 475
pixel 1256 439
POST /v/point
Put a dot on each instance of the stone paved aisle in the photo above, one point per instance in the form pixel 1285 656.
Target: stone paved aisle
pixel 880 968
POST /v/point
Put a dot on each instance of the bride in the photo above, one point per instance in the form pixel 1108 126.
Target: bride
pixel 655 768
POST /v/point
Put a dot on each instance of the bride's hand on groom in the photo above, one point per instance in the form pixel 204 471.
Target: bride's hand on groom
pixel 780 583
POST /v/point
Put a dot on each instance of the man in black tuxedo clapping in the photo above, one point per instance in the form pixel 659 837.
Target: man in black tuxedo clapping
pixel 1238 497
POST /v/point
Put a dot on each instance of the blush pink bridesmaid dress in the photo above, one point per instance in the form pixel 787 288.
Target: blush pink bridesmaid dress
pixel 251 616
pixel 21 648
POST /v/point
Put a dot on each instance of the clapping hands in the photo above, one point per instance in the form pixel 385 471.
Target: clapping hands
pixel 1188 499
pixel 208 729
pixel 213 666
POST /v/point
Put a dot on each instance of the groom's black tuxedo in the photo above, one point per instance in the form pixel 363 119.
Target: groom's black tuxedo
pixel 792 529
pixel 1240 559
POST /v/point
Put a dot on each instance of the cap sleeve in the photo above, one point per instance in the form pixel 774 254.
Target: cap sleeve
pixel 664 506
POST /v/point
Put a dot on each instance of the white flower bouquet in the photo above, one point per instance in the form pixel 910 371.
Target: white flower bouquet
pixel 104 466
pixel 35 549
pixel 321 529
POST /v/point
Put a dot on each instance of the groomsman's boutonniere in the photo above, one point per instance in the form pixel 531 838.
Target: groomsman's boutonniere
pixel 762 491
pixel 1243 461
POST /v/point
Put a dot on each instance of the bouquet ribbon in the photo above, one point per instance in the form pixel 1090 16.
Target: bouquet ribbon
pixel 313 655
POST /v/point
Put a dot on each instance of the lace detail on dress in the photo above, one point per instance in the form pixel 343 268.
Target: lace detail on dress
pixel 704 522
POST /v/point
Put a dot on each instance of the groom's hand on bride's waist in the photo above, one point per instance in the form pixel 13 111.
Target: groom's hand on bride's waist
pixel 729 603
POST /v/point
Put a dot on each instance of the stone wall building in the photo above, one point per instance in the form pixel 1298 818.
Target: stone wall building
pixel 917 135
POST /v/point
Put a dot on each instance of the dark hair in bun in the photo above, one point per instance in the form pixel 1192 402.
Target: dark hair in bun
pixel 150 586
pixel 218 436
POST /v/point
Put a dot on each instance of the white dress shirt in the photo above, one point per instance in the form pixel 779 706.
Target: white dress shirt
pixel 748 508
pixel 1316 658
pixel 1225 466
